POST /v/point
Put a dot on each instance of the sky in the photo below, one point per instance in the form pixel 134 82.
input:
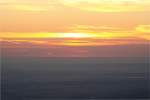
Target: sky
pixel 75 23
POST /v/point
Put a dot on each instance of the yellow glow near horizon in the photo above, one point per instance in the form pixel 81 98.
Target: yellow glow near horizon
pixel 47 35
pixel 100 35
pixel 77 35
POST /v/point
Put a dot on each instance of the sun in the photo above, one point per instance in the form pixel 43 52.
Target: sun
pixel 77 35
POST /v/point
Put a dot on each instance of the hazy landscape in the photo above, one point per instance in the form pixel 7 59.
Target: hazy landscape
pixel 74 78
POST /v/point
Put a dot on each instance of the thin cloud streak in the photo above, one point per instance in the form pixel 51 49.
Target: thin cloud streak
pixel 84 5
pixel 108 5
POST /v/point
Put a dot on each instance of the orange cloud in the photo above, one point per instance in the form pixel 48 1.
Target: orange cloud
pixel 72 42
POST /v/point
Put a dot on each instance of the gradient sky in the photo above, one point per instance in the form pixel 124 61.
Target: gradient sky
pixel 99 22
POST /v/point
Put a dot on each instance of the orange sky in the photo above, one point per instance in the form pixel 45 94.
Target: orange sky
pixel 75 28
pixel 103 19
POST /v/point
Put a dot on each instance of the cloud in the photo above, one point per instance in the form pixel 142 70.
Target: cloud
pixel 143 28
pixel 84 5
pixel 67 48
pixel 102 32
pixel 92 28
pixel 143 31
pixel 108 5
pixel 18 42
